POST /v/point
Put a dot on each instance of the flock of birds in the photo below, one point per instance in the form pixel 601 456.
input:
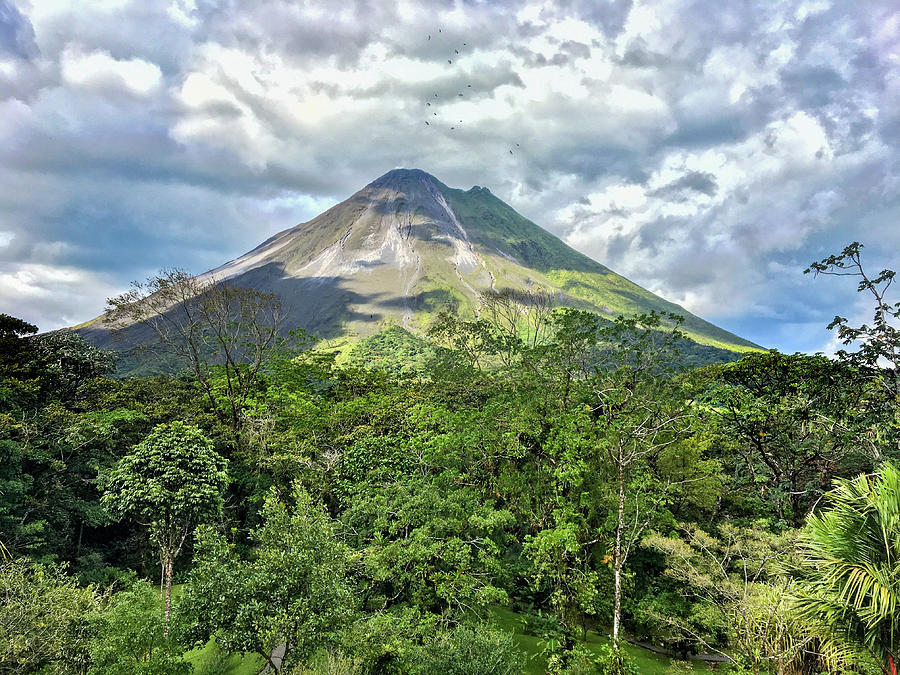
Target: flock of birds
pixel 430 108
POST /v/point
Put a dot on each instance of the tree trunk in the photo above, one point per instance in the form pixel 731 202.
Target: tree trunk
pixel 78 545
pixel 617 557
pixel 167 566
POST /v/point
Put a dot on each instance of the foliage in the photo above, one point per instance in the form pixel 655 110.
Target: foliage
pixel 880 341
pixel 470 649
pixel 172 481
pixel 291 590
pixel 394 349
pixel 613 661
pixel 793 422
pixel 18 383
pixel 44 622
pixel 129 636
pixel 848 575
pixel 68 361
pixel 730 580
pixel 430 543
pixel 514 470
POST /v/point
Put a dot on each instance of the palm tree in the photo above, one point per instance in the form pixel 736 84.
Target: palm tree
pixel 848 570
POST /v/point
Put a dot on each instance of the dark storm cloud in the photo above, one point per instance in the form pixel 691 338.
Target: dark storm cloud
pixel 135 135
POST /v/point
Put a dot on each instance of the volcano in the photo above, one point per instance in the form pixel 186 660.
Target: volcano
pixel 407 246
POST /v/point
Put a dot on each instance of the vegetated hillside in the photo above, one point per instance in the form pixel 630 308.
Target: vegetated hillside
pixel 406 247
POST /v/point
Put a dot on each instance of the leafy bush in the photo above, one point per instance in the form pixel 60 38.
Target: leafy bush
pixel 43 619
pixel 129 638
pixel 612 661
pixel 471 649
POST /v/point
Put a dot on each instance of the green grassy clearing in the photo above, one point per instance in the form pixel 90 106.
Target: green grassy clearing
pixel 647 662
pixel 211 660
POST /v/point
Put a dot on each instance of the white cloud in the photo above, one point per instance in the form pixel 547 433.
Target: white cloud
pixel 52 296
pixel 98 70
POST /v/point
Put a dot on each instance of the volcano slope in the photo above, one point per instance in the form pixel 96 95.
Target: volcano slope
pixel 406 247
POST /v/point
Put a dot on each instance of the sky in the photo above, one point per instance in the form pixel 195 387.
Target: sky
pixel 708 151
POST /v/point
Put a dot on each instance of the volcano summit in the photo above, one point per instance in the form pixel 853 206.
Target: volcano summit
pixel 406 246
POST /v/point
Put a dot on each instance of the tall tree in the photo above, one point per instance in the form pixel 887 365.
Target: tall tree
pixel 612 466
pixel 171 481
pixel 637 414
pixel 209 325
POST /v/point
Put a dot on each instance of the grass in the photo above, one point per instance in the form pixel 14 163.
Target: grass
pixel 647 662
pixel 211 660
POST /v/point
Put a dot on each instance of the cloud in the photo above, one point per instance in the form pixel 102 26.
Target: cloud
pixel 706 151
pixel 64 295
pixel 99 71
pixel 16 32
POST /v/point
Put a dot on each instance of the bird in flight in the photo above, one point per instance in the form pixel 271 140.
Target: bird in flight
pixel 456 50
pixel 510 152
pixel 452 128
pixel 449 61
pixel 459 94
pixel 429 37
pixel 426 123
pixel 428 104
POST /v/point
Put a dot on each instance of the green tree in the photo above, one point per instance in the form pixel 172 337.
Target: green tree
pixel 67 361
pixel 18 384
pixel 878 343
pixel 44 623
pixel 790 424
pixel 290 595
pixel 731 580
pixel 848 572
pixel 637 414
pixel 172 481
pixel 476 649
pixel 129 636
pixel 874 349
pixel 431 543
